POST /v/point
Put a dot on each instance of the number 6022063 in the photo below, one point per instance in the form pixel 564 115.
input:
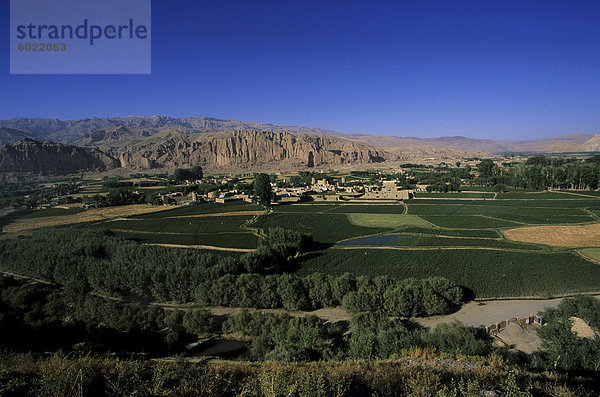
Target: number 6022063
pixel 42 47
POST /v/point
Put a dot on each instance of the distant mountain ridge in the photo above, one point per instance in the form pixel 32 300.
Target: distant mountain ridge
pixel 10 135
pixel 70 131
pixel 98 131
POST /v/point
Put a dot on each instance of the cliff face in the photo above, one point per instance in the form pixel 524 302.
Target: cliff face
pixel 51 158
pixel 243 149
pixel 228 150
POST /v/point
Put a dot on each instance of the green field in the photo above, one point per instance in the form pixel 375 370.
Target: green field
pixel 487 273
pixel 393 221
pixel 438 236
pixel 56 211
pixel 505 215
pixel 483 233
pixel 325 228
pixel 206 208
pixel 217 224
pixel 458 239
pixel 534 195
pixel 219 231
pixel 226 240
pixel 593 253
pixel 468 222
pixel 455 195
pixel 342 208
pixel 432 241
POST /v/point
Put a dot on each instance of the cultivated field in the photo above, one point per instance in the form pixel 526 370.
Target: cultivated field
pixel 60 217
pixel 205 225
pixel 451 236
pixel 487 272
pixel 516 244
pixel 558 236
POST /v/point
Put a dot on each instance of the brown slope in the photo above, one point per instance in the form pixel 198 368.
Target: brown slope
pixel 50 158
pixel 592 144
pixel 10 135
pixel 101 137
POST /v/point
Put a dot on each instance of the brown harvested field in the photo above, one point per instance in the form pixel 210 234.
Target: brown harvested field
pixel 95 214
pixel 558 236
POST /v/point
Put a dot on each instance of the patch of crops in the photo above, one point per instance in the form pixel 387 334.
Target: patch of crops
pixel 207 208
pixel 227 240
pixel 478 188
pixel 325 228
pixel 523 214
pixel 393 221
pixel 549 218
pixel 488 273
pixel 468 222
pixel 452 232
pixel 455 195
pixel 50 212
pixel 429 241
pixel 591 193
pixel 562 203
pixel 535 195
pixel 342 208
pixel 593 253
pixel 368 209
pixel 180 225
pixel 304 208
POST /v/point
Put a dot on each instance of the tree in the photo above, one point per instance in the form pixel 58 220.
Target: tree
pixel 197 172
pixel 500 187
pixel 487 168
pixel 181 175
pixel 263 192
pixel 197 321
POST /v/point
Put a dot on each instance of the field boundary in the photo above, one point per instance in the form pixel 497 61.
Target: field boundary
pixel 202 247
pixel 587 257
pixel 218 214
pixel 423 248
pixel 537 297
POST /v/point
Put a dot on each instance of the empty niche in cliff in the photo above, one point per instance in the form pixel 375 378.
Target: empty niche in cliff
pixel 311 159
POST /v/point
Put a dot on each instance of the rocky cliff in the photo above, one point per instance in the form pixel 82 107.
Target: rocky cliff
pixel 49 158
pixel 242 150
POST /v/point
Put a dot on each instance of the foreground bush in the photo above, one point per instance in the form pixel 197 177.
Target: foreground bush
pixel 58 375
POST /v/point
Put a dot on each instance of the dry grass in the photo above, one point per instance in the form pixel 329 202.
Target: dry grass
pixel 558 236
pixel 581 328
pixel 91 215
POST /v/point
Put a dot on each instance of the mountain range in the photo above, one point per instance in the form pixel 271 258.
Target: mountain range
pixel 139 142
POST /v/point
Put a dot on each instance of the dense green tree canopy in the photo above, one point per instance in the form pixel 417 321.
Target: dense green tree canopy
pixel 263 192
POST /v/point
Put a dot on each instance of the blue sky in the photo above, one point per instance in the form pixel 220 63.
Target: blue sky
pixel 488 69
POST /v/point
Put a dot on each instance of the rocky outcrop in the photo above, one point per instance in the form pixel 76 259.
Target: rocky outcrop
pixel 49 158
pixel 592 145
pixel 10 135
pixel 244 149
pixel 103 136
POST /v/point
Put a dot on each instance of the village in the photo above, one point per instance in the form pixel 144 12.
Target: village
pixel 326 189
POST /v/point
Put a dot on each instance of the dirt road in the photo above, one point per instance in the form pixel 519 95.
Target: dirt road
pixel 491 312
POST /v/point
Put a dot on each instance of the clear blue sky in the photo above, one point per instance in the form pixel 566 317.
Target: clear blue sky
pixel 493 69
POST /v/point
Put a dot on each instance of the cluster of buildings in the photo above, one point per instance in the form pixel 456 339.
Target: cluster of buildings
pixel 317 190
pixel 323 190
